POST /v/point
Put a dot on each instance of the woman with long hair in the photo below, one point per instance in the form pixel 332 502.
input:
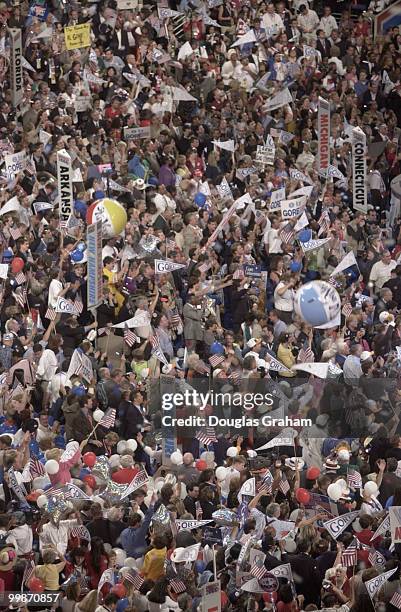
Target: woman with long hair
pixel 96 562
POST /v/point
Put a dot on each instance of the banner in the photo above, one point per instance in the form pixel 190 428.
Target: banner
pixel 248 37
pixel 227 145
pixel 248 488
pixel 300 176
pixel 95 264
pixel 323 123
pixel 66 306
pixel 283 571
pixel 265 154
pixel 395 524
pixel 80 365
pixel 137 482
pixel 292 209
pixel 348 261
pixel 313 244
pixel 163 266
pixel 77 36
pixel 275 365
pixel 16 75
pixel 211 597
pixel 382 528
pixel 374 585
pixel 337 525
pixel 285 440
pixel 15 163
pixel 65 189
pixel 190 553
pixel 281 99
pixel 136 133
pixel 359 172
pixel 190 524
pixel 245 199
pixel 17 488
pixel 139 320
pixel 275 198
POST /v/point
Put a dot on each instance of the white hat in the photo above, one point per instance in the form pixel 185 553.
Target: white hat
pixel 365 355
pixel 253 342
pixel 294 462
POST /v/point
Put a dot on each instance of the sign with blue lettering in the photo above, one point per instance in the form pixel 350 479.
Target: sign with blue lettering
pixel 252 270
pixel 95 264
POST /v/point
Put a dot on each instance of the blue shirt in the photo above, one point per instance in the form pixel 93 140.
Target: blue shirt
pixel 133 538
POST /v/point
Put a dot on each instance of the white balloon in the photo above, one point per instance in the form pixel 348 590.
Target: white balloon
pixel 176 458
pixel 343 454
pixel 370 488
pixel 52 466
pixel 41 501
pixel 121 555
pixel 130 562
pixel 342 483
pixel 232 451
pixel 121 447
pixel 132 444
pixel 98 415
pixel 334 491
pixel 221 473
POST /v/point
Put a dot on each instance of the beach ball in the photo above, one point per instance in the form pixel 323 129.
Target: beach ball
pixel 317 303
pixel 112 214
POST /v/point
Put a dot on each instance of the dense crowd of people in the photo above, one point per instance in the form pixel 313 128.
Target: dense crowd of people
pixel 197 120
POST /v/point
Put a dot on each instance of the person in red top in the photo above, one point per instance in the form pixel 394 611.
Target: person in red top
pixel 113 111
pixel 127 471
pixel 96 562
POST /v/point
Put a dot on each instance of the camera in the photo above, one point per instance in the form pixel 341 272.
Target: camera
pixel 326 584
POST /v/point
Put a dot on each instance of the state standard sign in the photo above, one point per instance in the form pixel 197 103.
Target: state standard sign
pixel 17 84
pixel 95 264
pixel 359 173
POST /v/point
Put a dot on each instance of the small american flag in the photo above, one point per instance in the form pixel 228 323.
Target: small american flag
pixel 206 436
pixel 350 555
pixel 28 571
pixel 15 233
pixel 78 305
pixel 239 274
pixel 258 570
pixel 51 314
pixel 347 309
pixel 396 600
pixel 354 479
pixel 36 468
pixel 171 244
pixel 134 578
pixel 129 337
pixel 108 419
pixel 287 234
pixel 81 532
pixel 20 278
pixel 20 298
pixel 324 223
pixel 204 267
pixel 216 360
pixel 157 349
pixel 284 485
pixel 306 355
pixel 266 483
pixel 334 282
pixel 178 586
pixel 234 376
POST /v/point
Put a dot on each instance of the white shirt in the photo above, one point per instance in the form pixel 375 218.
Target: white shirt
pixel 328 24
pixel 270 21
pixel 47 365
pixel 58 536
pixel 285 301
pixel 273 241
pixel 225 484
pixel 144 330
pixel 381 273
pixel 230 71
pixel 55 289
pixel 23 538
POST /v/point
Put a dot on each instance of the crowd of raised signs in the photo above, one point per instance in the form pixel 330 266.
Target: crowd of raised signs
pixel 200 197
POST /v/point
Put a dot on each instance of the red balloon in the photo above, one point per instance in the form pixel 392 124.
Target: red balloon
pixel 119 590
pixel 90 481
pixel 17 265
pixel 312 473
pixel 89 459
pixel 36 585
pixel 201 465
pixel 302 496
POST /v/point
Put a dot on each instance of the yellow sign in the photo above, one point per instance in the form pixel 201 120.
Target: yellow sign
pixel 77 36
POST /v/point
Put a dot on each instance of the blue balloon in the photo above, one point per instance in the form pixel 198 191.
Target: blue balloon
pixel 77 256
pixel 305 235
pixel 81 246
pixel 78 390
pixel 200 566
pixel 200 199
pixel 83 472
pixel 217 349
pixel 295 266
